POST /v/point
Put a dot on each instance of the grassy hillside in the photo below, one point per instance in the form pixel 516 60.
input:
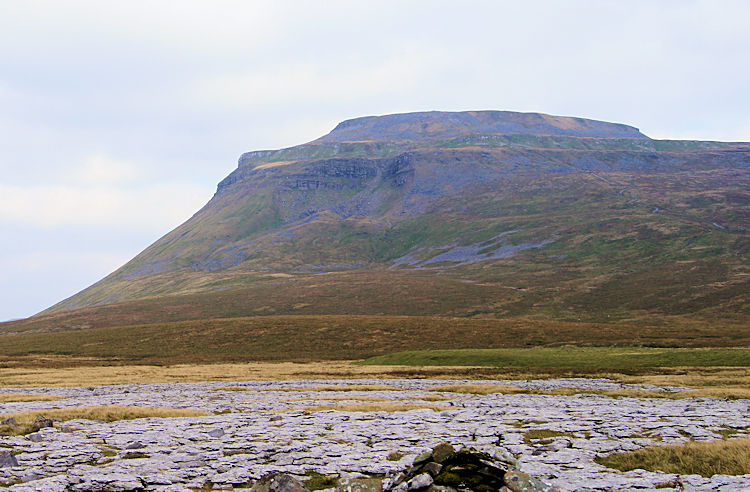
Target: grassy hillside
pixel 591 225
pixel 595 247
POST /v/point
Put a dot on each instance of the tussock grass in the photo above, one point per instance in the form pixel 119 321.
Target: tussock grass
pixel 251 371
pixel 479 389
pixel 730 457
pixel 231 388
pixel 731 393
pixel 487 389
pixel 338 398
pixel 373 407
pixel 106 413
pixel 615 393
pixel 336 387
pixel 22 397
pixel 717 382
pixel 433 398
pixel 544 435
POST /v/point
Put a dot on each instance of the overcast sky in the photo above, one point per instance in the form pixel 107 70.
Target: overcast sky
pixel 118 119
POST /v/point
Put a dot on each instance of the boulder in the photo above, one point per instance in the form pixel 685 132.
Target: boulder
pixel 40 422
pixel 359 485
pixel 7 459
pixel 216 432
pixel 443 452
pixel 278 482
pixel 518 481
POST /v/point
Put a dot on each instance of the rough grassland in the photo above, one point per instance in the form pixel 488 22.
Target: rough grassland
pixel 730 457
pixel 23 397
pixel 598 357
pixel 317 338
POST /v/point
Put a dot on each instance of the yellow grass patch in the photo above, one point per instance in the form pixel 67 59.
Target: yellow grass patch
pixel 616 393
pixel 107 413
pixel 231 388
pixel 722 377
pixel 730 457
pixel 336 387
pixel 732 393
pixel 338 398
pixel 433 398
pixel 21 397
pixel 252 371
pixel 543 435
pixel 373 407
pixel 487 389
pixel 479 389
pixel 273 164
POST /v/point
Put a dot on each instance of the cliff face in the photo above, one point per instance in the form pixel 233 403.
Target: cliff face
pixel 451 193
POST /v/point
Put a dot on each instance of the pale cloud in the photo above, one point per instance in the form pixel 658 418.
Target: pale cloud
pixel 157 207
pixel 43 261
pixel 308 82
pixel 102 170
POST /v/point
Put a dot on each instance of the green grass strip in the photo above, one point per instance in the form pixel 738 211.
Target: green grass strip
pixel 596 357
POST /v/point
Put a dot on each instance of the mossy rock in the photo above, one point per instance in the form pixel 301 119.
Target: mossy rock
pixel 448 478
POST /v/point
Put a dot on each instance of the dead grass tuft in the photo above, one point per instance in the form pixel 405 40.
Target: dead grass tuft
pixel 479 389
pixel 730 457
pixel 338 398
pixel 22 397
pixel 106 413
pixel 336 387
pixel 373 407
pixel 251 371
pixel 542 436
pixel 231 388
pixel 433 398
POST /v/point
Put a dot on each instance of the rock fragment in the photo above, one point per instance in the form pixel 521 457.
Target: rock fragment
pixel 216 432
pixel 518 481
pixel 421 481
pixel 7 459
pixel 443 452
pixel 40 422
pixel 278 482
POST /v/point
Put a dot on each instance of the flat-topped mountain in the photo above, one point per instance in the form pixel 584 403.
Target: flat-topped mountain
pixel 488 214
pixel 441 124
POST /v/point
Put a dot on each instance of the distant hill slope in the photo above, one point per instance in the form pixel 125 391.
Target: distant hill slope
pixel 471 214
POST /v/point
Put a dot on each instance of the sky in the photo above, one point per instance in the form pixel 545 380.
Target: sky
pixel 118 119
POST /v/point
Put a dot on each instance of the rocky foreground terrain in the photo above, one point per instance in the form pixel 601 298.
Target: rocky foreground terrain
pixel 254 428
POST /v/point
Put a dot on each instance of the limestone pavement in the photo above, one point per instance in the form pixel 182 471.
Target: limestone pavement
pixel 264 428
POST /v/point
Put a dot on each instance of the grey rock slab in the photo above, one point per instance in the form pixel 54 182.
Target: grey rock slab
pixel 420 481
pixel 7 459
